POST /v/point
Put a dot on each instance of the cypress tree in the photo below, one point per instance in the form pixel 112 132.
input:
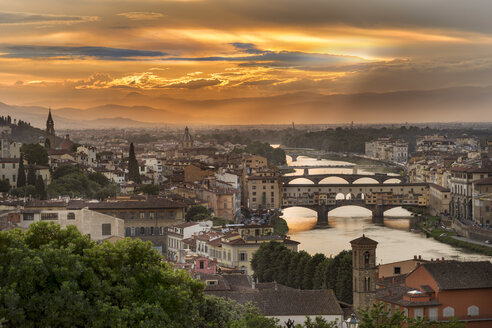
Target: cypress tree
pixel 31 175
pixel 133 169
pixel 40 191
pixel 21 173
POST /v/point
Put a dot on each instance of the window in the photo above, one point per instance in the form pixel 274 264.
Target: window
pixel 367 284
pixel 49 216
pixel 433 314
pixel 448 312
pixel 254 193
pixel 472 310
pixel 202 264
pixel 71 216
pixel 28 216
pixel 397 270
pixel 106 229
pixel 243 257
pixel 367 256
pixel 418 312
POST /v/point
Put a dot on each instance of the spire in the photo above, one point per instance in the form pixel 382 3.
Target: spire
pixel 50 119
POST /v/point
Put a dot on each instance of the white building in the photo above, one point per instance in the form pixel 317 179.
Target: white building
pixel 97 225
pixel 176 249
pixel 90 152
pixel 9 149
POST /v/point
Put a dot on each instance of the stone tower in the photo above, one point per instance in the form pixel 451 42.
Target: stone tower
pixel 50 131
pixel 187 141
pixel 364 272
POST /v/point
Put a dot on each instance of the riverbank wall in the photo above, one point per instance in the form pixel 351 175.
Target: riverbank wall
pixel 471 232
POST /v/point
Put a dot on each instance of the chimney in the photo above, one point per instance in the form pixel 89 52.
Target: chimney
pixel 415 257
pixel 420 257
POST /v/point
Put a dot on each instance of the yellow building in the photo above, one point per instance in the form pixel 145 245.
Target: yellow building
pixel 237 252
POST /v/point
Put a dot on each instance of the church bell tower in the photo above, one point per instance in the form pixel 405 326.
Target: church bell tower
pixel 50 132
pixel 364 272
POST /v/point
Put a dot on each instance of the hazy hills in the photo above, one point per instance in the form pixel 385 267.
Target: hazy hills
pixel 465 104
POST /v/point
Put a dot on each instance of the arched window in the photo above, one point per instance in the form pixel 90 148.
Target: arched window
pixel 472 310
pixel 448 312
pixel 367 284
pixel 367 256
pixel 71 216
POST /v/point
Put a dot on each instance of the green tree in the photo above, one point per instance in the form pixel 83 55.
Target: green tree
pixel 25 191
pixel 197 213
pixel 310 269
pixel 70 281
pixel 303 261
pixel 133 169
pixel 40 191
pixel 31 175
pixel 35 154
pixel 151 189
pixel 4 186
pixel 66 170
pixel 98 177
pixel 21 172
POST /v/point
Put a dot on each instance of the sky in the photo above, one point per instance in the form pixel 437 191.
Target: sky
pixel 252 61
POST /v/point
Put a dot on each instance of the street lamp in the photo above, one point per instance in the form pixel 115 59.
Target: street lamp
pixel 352 321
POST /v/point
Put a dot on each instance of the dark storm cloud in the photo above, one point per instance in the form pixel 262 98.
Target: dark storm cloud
pixel 103 53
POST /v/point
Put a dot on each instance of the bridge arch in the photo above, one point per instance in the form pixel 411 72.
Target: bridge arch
pixel 366 180
pixel 393 180
pixel 301 180
pixel 333 180
pixel 340 196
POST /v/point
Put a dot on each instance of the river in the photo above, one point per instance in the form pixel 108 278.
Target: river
pixel 396 241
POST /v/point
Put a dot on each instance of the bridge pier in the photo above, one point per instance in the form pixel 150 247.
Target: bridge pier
pixel 294 158
pixel 378 214
pixel 322 217
pixel 306 172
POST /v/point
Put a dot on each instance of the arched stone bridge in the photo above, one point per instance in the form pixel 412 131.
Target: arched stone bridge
pixel 308 196
pixel 350 178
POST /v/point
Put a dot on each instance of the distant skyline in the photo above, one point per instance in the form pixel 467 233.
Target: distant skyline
pixel 249 62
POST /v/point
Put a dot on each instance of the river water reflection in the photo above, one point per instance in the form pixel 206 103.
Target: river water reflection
pixel 396 241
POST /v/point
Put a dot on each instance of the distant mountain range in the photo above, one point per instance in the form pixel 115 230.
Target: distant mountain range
pixel 465 104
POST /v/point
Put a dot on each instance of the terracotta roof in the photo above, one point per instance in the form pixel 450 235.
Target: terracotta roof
pixel 438 187
pixel 486 181
pixel 450 275
pixel 363 241
pixel 288 301
pixel 148 204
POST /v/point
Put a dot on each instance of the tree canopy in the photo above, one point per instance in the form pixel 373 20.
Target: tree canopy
pixel 69 180
pixel 198 213
pixel 275 156
pixel 54 277
pixel 35 154
pixel 275 262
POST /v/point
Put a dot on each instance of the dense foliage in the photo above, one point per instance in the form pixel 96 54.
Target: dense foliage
pixel 150 189
pixel 70 180
pixel 198 213
pixel 4 186
pixel 35 154
pixel 379 317
pixel 275 156
pixel 54 277
pixel 275 262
